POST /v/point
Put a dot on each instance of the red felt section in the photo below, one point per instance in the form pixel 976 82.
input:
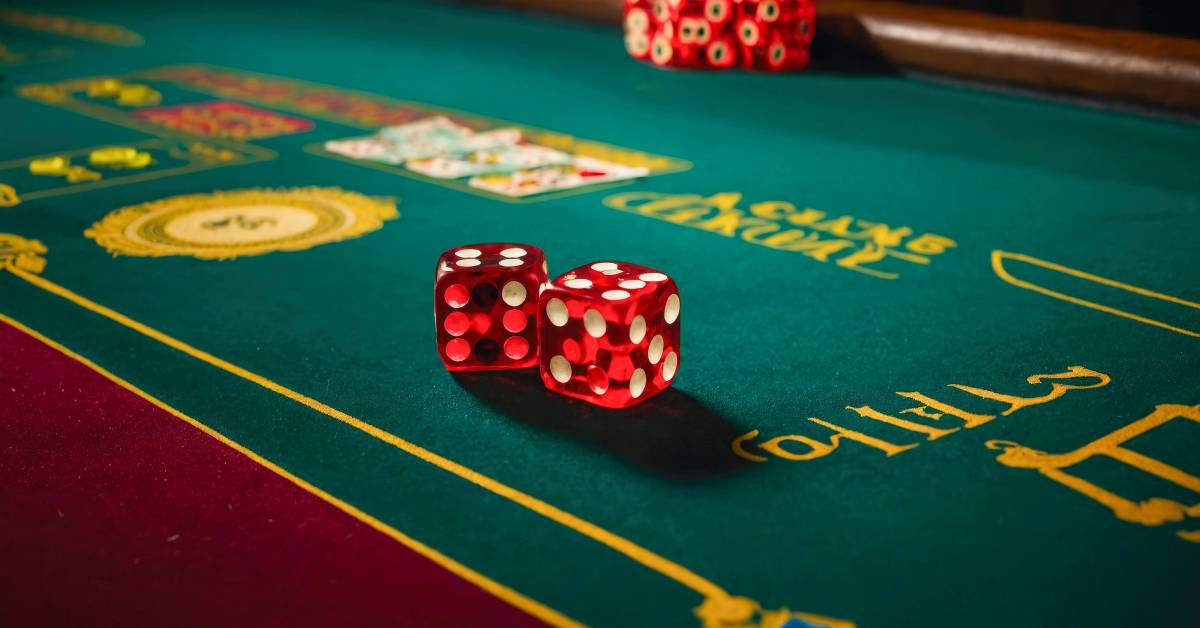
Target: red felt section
pixel 113 512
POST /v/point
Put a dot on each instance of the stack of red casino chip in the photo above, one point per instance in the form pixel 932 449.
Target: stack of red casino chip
pixel 768 35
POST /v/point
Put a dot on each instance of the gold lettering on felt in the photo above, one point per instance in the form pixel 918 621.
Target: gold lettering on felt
pixel 846 241
pixel 803 447
pixel 815 448
pixel 1150 512
pixel 931 433
pixel 970 419
pixel 1056 390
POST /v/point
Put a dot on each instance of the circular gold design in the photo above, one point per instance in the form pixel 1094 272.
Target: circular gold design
pixel 239 223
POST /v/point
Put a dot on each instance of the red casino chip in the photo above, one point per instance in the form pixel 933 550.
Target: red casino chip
pixel 637 20
pixel 749 32
pixel 768 11
pixel 718 11
pixel 661 51
pixel 781 56
pixel 694 30
pixel 721 53
pixel 804 25
pixel 662 11
pixel 637 44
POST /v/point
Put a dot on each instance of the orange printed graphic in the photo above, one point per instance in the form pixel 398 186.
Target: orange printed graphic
pixel 362 109
pixel 225 119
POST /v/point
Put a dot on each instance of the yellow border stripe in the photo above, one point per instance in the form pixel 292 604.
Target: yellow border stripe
pixel 101 32
pixel 518 600
pixel 634 551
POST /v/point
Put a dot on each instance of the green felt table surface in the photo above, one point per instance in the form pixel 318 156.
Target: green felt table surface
pixel 637 517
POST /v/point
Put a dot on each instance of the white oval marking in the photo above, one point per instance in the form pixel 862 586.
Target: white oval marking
pixel 510 263
pixel 615 295
pixel 671 311
pixel 556 311
pixel 632 284
pixel 652 277
pixel 637 329
pixel 468 253
pixel 513 293
pixel 467 263
pixel 593 322
pixel 560 369
pixel 670 363
pixel 637 383
pixel 603 266
pixel 578 284
pixel 514 252
pixel 654 353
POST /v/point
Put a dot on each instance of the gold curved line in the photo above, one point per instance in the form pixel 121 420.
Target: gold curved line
pixel 517 599
pixel 635 552
pixel 120 232
pixel 741 452
pixel 998 267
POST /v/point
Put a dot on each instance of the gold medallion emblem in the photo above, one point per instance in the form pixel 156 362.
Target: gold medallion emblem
pixel 238 223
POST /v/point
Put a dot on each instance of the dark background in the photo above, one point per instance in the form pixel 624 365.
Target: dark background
pixel 1171 17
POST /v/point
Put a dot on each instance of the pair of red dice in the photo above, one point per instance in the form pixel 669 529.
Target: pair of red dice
pixel 770 35
pixel 605 332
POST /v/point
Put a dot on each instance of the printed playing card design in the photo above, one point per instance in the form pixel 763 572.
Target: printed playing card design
pixel 497 161
pixel 424 138
pixel 500 159
pixel 358 148
pixel 580 172
pixel 427 138
pixel 440 136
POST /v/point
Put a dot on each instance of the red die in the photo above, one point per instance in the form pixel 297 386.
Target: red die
pixel 609 333
pixel 485 306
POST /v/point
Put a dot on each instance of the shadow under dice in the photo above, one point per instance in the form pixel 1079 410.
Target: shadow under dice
pixel 485 306
pixel 609 333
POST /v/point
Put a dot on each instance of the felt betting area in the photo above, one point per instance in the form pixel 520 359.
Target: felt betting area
pixel 142 519
pixel 938 358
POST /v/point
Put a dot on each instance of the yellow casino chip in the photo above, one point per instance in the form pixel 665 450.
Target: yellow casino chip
pixel 138 96
pixel 112 156
pixel 49 166
pixel 81 173
pixel 140 160
pixel 105 88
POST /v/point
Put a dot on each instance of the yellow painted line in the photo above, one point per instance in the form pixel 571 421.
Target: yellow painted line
pixel 66 26
pixel 998 258
pixel 523 602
